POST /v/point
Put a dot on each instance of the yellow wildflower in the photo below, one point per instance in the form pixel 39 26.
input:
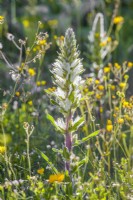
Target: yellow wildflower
pixel 1 19
pixel 51 89
pixel 38 83
pixel 117 66
pixel 113 97
pixel 2 149
pixel 98 96
pixel 62 37
pixel 55 37
pixel 103 44
pixel 41 42
pixel 130 64
pixel 43 82
pixel 56 178
pixel 17 94
pixel 97 35
pixel 113 87
pixel 101 109
pixel 122 85
pixel 86 90
pixel 53 23
pixel 101 87
pixel 106 70
pixel 127 117
pixel 109 126
pixel 40 171
pixel 126 77
pixel 31 72
pixel 120 120
pixel 97 82
pixel 116 108
pixel 109 39
pixel 26 23
pixel 125 104
pixel 118 20
pixel 30 103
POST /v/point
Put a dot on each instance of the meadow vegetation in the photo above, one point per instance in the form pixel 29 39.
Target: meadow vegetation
pixel 66 117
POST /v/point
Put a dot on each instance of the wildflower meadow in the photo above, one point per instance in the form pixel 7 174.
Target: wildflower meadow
pixel 66 100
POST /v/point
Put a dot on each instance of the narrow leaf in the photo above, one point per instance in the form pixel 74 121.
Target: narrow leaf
pixel 86 138
pixel 47 160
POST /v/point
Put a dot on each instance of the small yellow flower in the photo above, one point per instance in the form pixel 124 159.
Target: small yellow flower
pixel 55 37
pixel 2 149
pixel 103 44
pixel 62 38
pixel 118 20
pixel 127 117
pixel 113 87
pixel 56 178
pixel 117 66
pixel 106 70
pixel 2 19
pixel 101 109
pixel 30 103
pixel 98 96
pixel 31 72
pixel 53 23
pixel 43 82
pixel 17 94
pixel 109 39
pixel 109 126
pixel 51 89
pixel 130 64
pixel 26 23
pixel 86 90
pixel 97 82
pixel 40 171
pixel 120 120
pixel 101 87
pixel 38 83
pixel 41 42
pixel 113 97
pixel 125 104
pixel 116 108
pixel 122 85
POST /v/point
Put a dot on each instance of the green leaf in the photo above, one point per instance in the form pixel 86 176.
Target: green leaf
pixel 77 124
pixel 80 163
pixel 86 138
pixel 66 153
pixel 47 160
pixel 53 122
pixel 57 150
pixel 54 102
pixel 71 97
